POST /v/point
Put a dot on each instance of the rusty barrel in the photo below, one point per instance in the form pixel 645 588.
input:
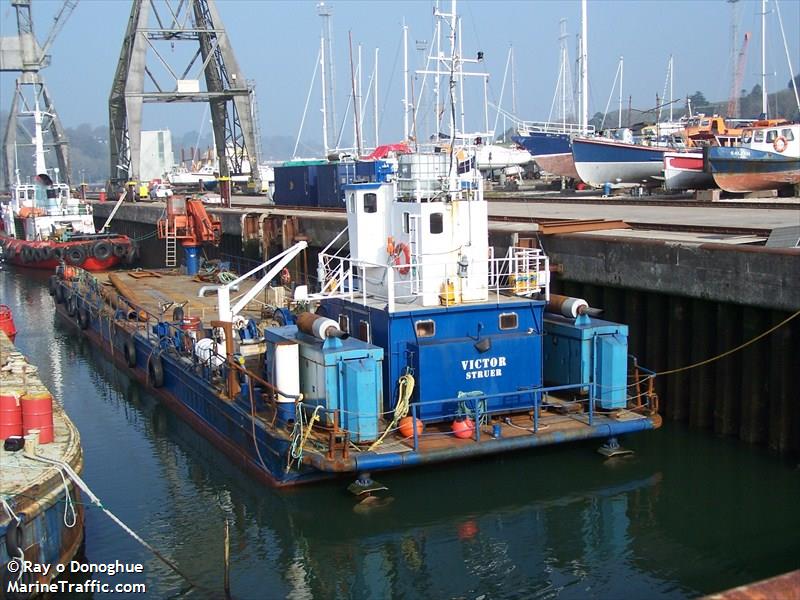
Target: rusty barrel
pixel 37 413
pixel 10 414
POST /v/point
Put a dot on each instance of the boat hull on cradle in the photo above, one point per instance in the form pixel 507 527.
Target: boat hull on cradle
pixel 562 165
pixel 599 162
pixel 48 255
pixel 684 171
pixel 746 170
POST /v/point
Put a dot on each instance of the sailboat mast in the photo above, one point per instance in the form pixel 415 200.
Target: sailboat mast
pixel 375 96
pixel 619 112
pixel 764 57
pixel 584 71
pixel 671 96
pixel 563 72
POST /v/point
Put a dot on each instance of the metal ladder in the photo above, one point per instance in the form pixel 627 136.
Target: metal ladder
pixel 413 248
pixel 171 252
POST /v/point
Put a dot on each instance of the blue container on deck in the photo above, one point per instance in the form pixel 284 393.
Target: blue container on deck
pixel 296 185
pixel 331 179
pixel 377 171
pixel 342 375
pixel 586 350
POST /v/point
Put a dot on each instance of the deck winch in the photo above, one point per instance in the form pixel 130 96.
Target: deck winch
pixel 331 369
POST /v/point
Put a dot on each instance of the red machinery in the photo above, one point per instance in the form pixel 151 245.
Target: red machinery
pixel 188 221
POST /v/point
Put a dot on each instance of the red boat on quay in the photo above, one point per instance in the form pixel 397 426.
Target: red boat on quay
pixel 44 225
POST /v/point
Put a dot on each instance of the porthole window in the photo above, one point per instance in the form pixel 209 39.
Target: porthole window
pixel 363 331
pixel 425 328
pixel 437 223
pixel 509 321
pixel 370 203
pixel 344 323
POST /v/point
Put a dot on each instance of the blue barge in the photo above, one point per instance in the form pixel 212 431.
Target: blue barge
pixel 424 344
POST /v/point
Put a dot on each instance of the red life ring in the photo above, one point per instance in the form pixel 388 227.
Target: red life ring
pixel 403 249
pixel 779 144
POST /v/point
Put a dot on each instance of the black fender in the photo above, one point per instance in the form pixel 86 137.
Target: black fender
pixel 72 305
pixel 60 293
pixel 83 317
pixel 155 371
pixel 14 533
pixel 129 352
pixel 27 254
pixel 120 249
pixel 52 285
pixel 103 250
pixel 75 255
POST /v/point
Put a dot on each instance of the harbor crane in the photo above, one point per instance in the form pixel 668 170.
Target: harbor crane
pixel 738 77
pixel 154 29
pixel 24 55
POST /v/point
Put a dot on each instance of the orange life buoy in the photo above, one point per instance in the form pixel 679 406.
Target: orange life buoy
pixel 403 249
pixel 779 144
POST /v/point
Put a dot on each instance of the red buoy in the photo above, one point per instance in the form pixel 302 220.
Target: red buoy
pixel 7 322
pixel 406 426
pixel 37 413
pixel 463 428
pixel 10 414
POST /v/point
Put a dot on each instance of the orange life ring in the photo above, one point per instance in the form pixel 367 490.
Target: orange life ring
pixel 403 249
pixel 779 144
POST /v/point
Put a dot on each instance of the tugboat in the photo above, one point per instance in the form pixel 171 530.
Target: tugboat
pixel 43 225
pixel 418 343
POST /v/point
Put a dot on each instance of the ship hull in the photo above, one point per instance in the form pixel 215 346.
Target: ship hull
pixel 599 162
pixel 684 171
pixel 746 170
pixel 84 254
pixel 562 165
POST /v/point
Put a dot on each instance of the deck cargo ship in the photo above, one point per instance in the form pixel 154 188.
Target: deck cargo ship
pixel 424 345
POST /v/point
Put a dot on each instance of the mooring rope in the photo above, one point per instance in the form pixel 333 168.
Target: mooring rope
pixel 732 350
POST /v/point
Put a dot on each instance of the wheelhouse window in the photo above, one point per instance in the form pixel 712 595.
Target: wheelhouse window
pixel 437 223
pixel 351 203
pixel 406 222
pixel 370 203
pixel 747 136
pixel 509 321
pixel 344 323
pixel 788 134
pixel 758 136
pixel 772 135
pixel 426 328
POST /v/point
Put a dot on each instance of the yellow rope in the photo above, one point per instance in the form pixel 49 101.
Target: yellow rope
pixel 405 387
pixel 732 350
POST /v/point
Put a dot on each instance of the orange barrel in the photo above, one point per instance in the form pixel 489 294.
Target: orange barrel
pixel 7 322
pixel 37 413
pixel 10 414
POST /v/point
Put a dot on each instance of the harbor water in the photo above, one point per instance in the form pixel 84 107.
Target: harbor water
pixel 690 513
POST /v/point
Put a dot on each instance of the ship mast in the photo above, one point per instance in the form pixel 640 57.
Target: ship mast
pixel 584 72
pixel 764 58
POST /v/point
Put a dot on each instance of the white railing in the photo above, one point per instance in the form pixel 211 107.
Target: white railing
pixel 521 272
pixel 527 127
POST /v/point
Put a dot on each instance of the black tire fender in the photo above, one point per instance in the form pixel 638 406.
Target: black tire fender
pixel 14 536
pixel 129 352
pixel 83 317
pixel 155 371
pixel 52 285
pixel 120 249
pixel 60 294
pixel 27 254
pixel 103 250
pixel 75 255
pixel 72 305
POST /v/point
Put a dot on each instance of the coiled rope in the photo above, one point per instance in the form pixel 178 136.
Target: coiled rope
pixel 405 388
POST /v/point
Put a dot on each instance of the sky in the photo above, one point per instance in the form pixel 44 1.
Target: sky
pixel 276 44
